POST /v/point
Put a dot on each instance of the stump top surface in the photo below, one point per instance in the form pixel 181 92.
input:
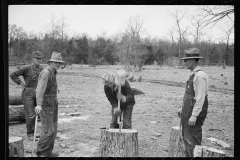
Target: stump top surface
pixel 123 130
pixel 14 139
pixel 216 150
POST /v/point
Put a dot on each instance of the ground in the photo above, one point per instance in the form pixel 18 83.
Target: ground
pixel 154 114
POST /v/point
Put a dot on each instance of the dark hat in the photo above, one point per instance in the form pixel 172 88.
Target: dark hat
pixel 191 53
pixel 56 57
pixel 37 54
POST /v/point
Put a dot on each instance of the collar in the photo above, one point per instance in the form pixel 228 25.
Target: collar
pixel 35 67
pixel 53 70
pixel 196 69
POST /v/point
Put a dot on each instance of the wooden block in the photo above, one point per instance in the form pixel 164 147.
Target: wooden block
pixel 119 144
pixel 16 148
pixel 176 146
pixel 16 113
pixel 204 151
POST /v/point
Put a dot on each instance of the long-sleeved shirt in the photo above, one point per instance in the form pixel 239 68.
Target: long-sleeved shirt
pixel 42 83
pixel 111 94
pixel 201 87
pixel 28 72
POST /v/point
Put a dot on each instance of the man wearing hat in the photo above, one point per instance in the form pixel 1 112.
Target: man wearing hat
pixel 195 102
pixel 126 97
pixel 47 106
pixel 30 75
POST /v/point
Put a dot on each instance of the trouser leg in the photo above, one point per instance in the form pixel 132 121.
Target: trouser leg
pixel 127 117
pixel 114 123
pixel 29 108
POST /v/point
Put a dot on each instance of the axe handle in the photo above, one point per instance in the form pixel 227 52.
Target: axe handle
pixel 35 130
pixel 118 118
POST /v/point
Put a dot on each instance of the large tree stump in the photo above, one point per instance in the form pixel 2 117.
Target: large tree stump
pixel 176 144
pixel 119 144
pixel 16 113
pixel 16 148
pixel 15 100
pixel 204 151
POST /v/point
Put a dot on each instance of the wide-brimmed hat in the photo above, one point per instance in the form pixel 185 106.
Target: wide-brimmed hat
pixel 107 77
pixel 56 57
pixel 37 54
pixel 191 53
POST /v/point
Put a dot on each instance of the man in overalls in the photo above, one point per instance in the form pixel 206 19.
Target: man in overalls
pixel 30 75
pixel 195 102
pixel 47 106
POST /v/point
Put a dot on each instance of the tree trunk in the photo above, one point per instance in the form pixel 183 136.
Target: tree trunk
pixel 16 148
pixel 16 113
pixel 15 100
pixel 119 144
pixel 176 144
pixel 204 151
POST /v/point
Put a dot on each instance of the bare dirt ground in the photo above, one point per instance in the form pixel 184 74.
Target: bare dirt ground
pixel 154 113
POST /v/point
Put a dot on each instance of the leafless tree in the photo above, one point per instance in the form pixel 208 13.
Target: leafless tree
pixel 63 26
pixel 198 26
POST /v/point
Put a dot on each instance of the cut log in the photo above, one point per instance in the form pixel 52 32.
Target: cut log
pixel 176 145
pixel 204 151
pixel 15 100
pixel 16 113
pixel 119 144
pixel 16 148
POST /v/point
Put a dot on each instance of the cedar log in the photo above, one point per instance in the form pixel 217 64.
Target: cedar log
pixel 204 151
pixel 16 148
pixel 16 113
pixel 15 100
pixel 118 144
pixel 175 143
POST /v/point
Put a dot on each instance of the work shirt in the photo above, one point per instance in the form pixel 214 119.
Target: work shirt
pixel 42 83
pixel 29 72
pixel 201 87
pixel 111 94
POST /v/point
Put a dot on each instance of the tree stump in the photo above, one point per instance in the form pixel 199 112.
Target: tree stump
pixel 204 151
pixel 118 144
pixel 16 148
pixel 174 145
pixel 16 113
pixel 15 100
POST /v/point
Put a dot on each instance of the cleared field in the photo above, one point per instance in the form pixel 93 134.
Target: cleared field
pixel 81 90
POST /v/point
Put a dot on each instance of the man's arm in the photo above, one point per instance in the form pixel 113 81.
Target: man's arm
pixel 41 87
pixel 110 96
pixel 200 93
pixel 15 75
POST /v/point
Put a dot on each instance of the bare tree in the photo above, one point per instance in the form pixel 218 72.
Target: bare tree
pixel 198 26
pixel 63 26
pixel 182 32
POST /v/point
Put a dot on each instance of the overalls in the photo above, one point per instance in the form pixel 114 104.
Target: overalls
pixel 192 135
pixel 49 117
pixel 29 102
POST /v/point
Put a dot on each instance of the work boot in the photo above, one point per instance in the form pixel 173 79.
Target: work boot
pixel 41 155
pixel 53 155
pixel 31 136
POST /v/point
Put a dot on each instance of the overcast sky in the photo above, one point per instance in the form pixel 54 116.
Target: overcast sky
pixel 96 19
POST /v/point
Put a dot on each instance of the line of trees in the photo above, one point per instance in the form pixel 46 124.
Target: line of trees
pixel 128 47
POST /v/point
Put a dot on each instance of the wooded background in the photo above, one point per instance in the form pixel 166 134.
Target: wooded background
pixel 129 48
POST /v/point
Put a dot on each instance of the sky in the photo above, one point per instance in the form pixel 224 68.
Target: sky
pixel 94 20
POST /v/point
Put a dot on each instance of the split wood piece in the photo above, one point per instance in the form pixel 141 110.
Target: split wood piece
pixel 16 113
pixel 204 151
pixel 15 100
pixel 119 144
pixel 174 145
pixel 16 148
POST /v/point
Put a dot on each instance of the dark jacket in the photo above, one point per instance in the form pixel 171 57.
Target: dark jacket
pixel 111 94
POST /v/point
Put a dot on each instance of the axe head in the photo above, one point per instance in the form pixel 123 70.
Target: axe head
pixel 137 91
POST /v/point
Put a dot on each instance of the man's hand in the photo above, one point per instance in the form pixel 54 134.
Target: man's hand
pixel 121 97
pixel 192 120
pixel 38 109
pixel 22 85
pixel 179 112
pixel 117 111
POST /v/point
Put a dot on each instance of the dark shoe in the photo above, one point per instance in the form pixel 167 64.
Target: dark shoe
pixel 31 138
pixel 41 155
pixel 53 155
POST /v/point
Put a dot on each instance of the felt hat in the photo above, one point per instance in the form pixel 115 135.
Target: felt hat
pixel 107 77
pixel 56 57
pixel 37 54
pixel 191 53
